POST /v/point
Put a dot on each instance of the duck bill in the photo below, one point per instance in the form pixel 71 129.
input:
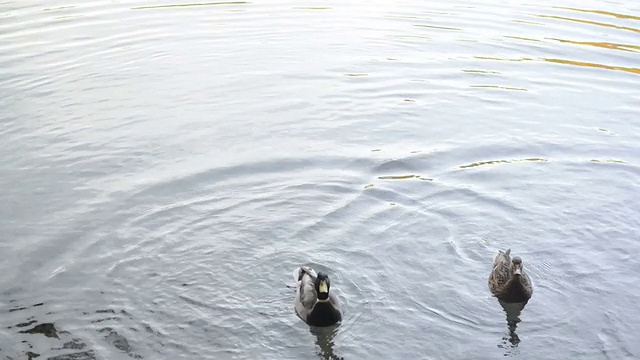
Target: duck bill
pixel 517 271
pixel 323 288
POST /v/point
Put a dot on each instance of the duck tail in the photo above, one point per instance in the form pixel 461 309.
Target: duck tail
pixel 297 274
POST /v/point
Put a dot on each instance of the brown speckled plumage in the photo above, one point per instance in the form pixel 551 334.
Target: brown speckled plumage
pixel 505 284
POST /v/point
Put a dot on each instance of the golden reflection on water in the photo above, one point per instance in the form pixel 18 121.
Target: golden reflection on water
pixel 606 45
pixel 590 22
pixel 594 65
pixel 492 162
pixel 620 16
pixel 522 38
pixel 168 6
pixel 568 62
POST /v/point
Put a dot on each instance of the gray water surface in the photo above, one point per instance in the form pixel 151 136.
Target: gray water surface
pixel 165 166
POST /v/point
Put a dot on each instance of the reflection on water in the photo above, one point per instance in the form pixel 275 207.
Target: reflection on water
pixel 503 59
pixel 312 8
pixel 498 87
pixel 588 22
pixel 521 38
pixel 325 341
pixel 169 6
pixel 608 161
pixel 46 329
pixel 64 345
pixel 606 45
pixel 492 162
pixel 404 177
pixel 527 22
pixel 437 27
pixel 481 72
pixel 593 65
pixel 601 12
pixel 627 47
pixel 512 311
pixel 567 62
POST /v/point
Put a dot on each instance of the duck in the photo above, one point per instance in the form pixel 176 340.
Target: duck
pixel 315 304
pixel 508 280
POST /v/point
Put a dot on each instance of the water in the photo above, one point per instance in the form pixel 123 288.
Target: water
pixel 165 166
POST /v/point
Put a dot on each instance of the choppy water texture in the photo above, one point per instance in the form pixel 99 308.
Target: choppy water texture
pixel 166 165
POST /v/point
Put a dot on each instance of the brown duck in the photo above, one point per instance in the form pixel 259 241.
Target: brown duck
pixel 508 281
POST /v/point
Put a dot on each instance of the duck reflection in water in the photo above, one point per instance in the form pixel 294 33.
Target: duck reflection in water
pixel 324 341
pixel 512 286
pixel 513 311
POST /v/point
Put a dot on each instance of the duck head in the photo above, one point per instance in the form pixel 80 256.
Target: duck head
pixel 516 266
pixel 322 285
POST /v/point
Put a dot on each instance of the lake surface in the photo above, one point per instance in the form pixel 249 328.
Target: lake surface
pixel 166 165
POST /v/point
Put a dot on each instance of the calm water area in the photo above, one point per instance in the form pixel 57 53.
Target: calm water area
pixel 165 165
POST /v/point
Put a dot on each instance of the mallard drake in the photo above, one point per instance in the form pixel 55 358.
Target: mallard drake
pixel 508 281
pixel 314 302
